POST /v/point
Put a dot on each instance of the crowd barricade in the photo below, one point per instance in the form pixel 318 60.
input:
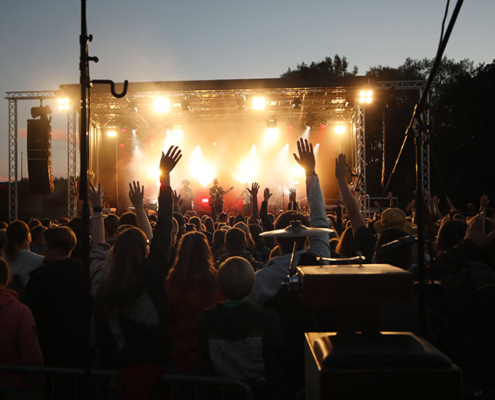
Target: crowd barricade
pixel 99 381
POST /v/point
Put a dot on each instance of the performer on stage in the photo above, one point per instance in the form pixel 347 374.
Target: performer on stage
pixel 216 199
pixel 186 195
pixel 246 200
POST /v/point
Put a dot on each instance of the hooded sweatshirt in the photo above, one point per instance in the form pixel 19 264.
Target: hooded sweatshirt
pixel 18 339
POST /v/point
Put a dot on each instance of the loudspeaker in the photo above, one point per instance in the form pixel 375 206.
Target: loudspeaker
pixel 39 152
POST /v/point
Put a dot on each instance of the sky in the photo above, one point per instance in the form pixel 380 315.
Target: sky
pixel 152 40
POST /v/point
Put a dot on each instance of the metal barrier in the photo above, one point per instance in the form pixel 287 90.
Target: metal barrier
pixel 100 380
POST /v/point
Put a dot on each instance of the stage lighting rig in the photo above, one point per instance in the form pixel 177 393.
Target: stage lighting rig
pixel 296 103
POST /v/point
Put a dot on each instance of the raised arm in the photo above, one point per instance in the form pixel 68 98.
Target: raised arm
pixel 160 245
pixel 317 214
pixel 97 225
pixel 136 195
pixel 253 219
pixel 341 170
pixel 267 223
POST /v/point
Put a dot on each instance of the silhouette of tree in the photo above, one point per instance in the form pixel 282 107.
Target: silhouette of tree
pixel 336 67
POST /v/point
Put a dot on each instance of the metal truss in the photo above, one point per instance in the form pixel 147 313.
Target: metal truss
pixel 13 97
pixel 416 85
pixel 13 203
pixel 361 159
pixel 71 164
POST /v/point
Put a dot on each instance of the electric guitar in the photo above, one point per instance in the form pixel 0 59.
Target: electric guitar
pixel 215 200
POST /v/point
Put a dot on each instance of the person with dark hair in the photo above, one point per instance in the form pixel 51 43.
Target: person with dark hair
pixel 260 247
pixel 131 321
pixel 18 340
pixel 111 223
pixel 22 261
pixel 235 245
pixel 128 218
pixel 37 239
pixel 218 244
pixel 240 340
pixel 58 297
pixel 186 197
pixel 47 222
pixel 216 199
pixel 191 288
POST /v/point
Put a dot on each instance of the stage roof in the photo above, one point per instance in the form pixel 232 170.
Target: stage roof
pixel 220 101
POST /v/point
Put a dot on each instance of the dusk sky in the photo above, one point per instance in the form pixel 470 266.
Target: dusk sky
pixel 151 40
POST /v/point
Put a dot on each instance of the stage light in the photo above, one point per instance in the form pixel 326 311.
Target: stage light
pixel 205 200
pixel 63 104
pixel 177 132
pixel 271 123
pixel 136 147
pixel 259 103
pixel 296 103
pixel 161 105
pixel 134 131
pixel 123 129
pixel 154 172
pixel 122 145
pixel 290 127
pixel 339 129
pixel 365 96
pixel 41 112
pixel 323 124
pixel 111 133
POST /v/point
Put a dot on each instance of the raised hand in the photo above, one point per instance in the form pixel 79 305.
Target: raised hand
pixel 292 194
pixel 254 189
pixel 267 194
pixel 484 202
pixel 176 198
pixel 340 167
pixel 136 194
pixel 306 157
pixel 170 160
pixel 95 196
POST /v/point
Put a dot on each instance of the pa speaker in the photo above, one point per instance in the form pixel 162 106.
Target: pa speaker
pixel 39 146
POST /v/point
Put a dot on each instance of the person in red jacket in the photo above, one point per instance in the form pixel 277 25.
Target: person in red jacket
pixel 18 339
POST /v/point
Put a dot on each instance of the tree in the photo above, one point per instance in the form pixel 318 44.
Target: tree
pixel 336 67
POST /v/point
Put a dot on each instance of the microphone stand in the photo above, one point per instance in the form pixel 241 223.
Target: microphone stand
pixel 417 129
pixel 85 84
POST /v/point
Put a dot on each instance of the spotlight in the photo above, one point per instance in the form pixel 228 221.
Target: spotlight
pixel 290 126
pixel 296 103
pixel 123 129
pixel 112 133
pixel 365 96
pixel 323 124
pixel 41 112
pixel 259 103
pixel 271 123
pixel 339 129
pixel 161 105
pixel 63 104
pixel 122 145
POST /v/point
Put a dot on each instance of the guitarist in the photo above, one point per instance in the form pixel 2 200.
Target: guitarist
pixel 216 199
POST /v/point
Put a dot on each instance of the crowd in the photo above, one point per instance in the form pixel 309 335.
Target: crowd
pixel 181 293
